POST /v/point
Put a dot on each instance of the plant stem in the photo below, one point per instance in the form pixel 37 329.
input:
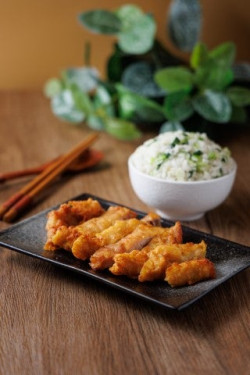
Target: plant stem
pixel 87 53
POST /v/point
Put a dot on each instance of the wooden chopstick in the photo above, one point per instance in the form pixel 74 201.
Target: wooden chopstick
pixel 25 172
pixel 19 201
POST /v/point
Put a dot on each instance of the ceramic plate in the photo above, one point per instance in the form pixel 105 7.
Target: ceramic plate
pixel 28 237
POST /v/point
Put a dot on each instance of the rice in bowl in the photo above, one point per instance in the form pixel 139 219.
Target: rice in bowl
pixel 183 156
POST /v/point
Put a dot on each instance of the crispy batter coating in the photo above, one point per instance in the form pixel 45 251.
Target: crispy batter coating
pixel 131 263
pixel 153 219
pixel 117 240
pixel 189 272
pixel 164 255
pixel 65 236
pixel 103 258
pixel 85 245
pixel 70 214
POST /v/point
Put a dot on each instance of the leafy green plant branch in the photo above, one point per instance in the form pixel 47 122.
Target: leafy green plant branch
pixel 145 83
pixel 206 87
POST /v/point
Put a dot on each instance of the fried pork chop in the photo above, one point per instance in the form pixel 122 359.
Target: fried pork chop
pixel 163 256
pixel 65 236
pixel 138 239
pixel 131 263
pixel 189 272
pixel 70 214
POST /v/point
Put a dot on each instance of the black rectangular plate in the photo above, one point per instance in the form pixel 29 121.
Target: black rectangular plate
pixel 28 237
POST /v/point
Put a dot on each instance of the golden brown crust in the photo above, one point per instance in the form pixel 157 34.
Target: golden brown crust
pixel 163 255
pixel 117 240
pixel 189 272
pixel 66 236
pixel 131 263
pixel 85 245
pixel 142 234
pixel 70 214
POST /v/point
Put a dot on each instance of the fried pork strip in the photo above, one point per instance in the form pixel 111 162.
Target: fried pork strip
pixel 189 272
pixel 163 256
pixel 138 239
pixel 86 244
pixel 65 236
pixel 131 263
pixel 70 214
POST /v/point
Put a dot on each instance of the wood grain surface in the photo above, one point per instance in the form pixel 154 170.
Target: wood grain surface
pixel 57 322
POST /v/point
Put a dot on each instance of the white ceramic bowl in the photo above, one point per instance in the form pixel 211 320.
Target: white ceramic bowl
pixel 176 200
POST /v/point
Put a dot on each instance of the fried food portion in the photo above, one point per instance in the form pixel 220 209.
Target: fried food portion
pixel 152 218
pixel 103 258
pixel 70 214
pixel 65 236
pixel 189 272
pixel 116 239
pixel 163 256
pixel 131 263
pixel 85 245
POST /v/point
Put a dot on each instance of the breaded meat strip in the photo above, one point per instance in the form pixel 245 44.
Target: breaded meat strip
pixel 138 239
pixel 85 245
pixel 70 214
pixel 189 272
pixel 65 237
pixel 131 263
pixel 163 256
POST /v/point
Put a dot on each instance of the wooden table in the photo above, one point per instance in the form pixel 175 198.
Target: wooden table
pixel 57 322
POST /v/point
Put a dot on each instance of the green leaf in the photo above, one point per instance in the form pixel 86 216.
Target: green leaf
pixel 115 65
pixel 95 122
pixel 139 78
pixel 212 76
pixel 63 106
pixel 102 97
pixel 121 129
pixel 224 54
pixel 139 38
pixel 178 106
pixel 171 126
pixel 81 100
pixel 239 96
pixel 136 107
pixel 199 55
pixel 175 79
pixel 184 23
pixel 101 21
pixel 53 87
pixel 239 115
pixel 85 78
pixel 129 15
pixel 213 106
pixel 103 100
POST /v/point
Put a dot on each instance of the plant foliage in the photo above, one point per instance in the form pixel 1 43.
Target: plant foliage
pixel 145 82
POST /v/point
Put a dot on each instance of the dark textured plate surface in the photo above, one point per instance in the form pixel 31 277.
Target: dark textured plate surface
pixel 28 237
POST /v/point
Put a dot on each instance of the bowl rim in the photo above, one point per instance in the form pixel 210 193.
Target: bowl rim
pixel 198 182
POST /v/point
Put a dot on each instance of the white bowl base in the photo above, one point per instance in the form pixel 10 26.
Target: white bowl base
pixel 165 215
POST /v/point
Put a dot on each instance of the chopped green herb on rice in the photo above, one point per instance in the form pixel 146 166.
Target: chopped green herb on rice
pixel 183 156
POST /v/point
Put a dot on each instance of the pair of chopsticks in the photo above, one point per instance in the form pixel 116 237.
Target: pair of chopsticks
pixel 10 209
